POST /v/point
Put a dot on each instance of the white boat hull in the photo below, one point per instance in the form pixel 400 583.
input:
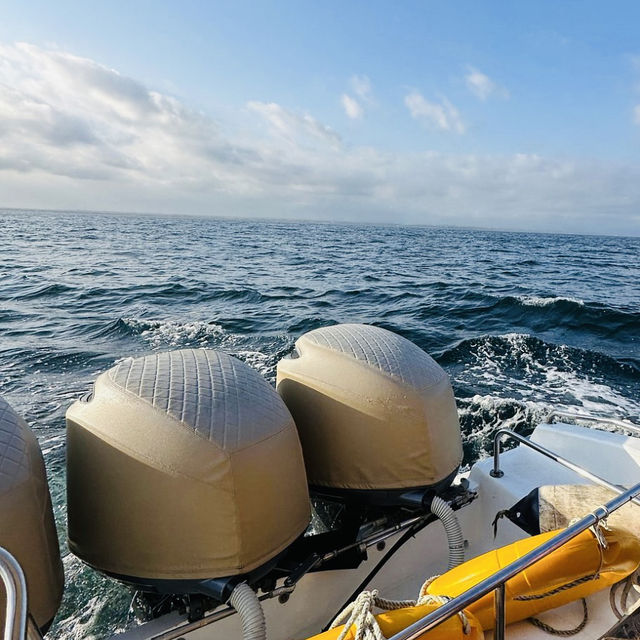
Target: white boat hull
pixel 319 596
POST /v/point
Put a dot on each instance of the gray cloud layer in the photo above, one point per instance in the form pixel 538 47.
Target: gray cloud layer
pixel 76 134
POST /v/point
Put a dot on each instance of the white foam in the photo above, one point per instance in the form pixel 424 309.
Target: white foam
pixel 85 621
pixel 173 333
pixel 258 360
pixel 165 334
pixel 538 301
pixel 519 375
pixel 593 396
pixel 49 444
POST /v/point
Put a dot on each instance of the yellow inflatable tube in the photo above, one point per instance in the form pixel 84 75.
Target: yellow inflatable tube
pixel 573 568
pixel 393 621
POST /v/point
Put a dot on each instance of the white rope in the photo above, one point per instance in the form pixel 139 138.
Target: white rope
pixel 359 613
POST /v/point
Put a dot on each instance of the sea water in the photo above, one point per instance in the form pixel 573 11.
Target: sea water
pixel 522 322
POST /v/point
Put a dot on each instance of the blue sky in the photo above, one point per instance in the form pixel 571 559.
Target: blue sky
pixel 510 115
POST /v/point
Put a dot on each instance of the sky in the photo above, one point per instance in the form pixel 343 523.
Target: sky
pixel 522 115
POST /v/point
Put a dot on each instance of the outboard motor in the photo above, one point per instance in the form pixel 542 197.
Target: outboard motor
pixel 376 415
pixel 27 527
pixel 185 474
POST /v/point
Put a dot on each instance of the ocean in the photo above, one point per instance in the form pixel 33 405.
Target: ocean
pixel 522 322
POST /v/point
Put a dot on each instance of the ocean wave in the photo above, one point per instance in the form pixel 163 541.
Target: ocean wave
pixel 188 292
pixel 42 291
pixel 482 415
pixel 540 301
pixel 92 605
pixel 522 323
pixel 526 368
pixel 544 313
pixel 172 333
pixel 33 359
pixel 258 360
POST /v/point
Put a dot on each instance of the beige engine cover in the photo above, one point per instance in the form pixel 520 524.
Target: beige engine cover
pixel 372 409
pixel 183 465
pixel 27 527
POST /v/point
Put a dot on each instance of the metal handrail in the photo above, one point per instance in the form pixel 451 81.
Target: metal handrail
pixel 496 472
pixel 495 581
pixel 614 422
pixel 15 585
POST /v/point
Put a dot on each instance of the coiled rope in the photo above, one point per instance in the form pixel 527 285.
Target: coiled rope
pixel 564 633
pixel 597 531
pixel 359 612
pixel 626 585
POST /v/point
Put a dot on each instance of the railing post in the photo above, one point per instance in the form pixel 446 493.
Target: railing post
pixel 496 472
pixel 501 616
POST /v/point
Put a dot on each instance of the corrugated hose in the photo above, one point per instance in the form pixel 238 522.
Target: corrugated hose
pixel 245 601
pixel 452 528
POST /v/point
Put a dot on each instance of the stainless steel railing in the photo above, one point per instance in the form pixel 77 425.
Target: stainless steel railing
pixel 589 417
pixel 496 472
pixel 15 586
pixel 497 580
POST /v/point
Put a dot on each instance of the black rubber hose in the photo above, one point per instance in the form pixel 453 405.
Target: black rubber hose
pixel 409 533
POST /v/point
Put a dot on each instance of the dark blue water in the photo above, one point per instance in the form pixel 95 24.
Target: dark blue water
pixel 522 322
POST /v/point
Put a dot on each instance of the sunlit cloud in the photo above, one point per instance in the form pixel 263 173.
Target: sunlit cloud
pixel 292 126
pixel 361 86
pixel 351 107
pixel 482 86
pixel 440 115
pixel 354 106
pixel 75 134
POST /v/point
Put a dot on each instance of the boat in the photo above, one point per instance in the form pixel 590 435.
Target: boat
pixel 334 506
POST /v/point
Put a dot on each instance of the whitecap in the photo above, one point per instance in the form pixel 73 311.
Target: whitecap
pixel 541 301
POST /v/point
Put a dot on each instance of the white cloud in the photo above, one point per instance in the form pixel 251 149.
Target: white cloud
pixel 361 86
pixel 351 107
pixel 482 86
pixel 75 134
pixel 70 116
pixel 292 126
pixel 442 115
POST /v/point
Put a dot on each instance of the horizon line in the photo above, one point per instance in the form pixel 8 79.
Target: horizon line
pixel 271 219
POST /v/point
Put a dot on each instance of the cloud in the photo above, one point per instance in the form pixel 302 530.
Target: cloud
pixel 441 115
pixel 361 87
pixel 75 134
pixel 351 107
pixel 292 126
pixel 482 86
pixel 70 116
